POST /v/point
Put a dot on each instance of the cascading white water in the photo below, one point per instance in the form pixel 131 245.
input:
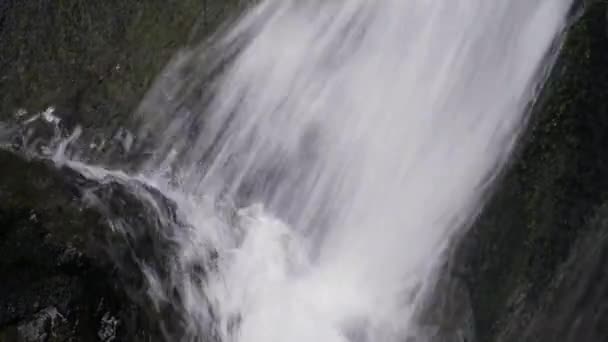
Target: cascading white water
pixel 356 137
pixel 366 132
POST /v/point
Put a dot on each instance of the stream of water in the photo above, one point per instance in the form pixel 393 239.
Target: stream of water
pixel 328 152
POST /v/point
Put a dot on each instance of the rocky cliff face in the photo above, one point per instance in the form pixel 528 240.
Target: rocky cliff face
pixel 93 62
pixel 531 258
pixel 56 283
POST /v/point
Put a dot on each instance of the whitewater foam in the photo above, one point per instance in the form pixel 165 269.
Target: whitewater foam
pixel 341 147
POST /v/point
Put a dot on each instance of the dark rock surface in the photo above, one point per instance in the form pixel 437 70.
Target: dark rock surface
pixel 56 285
pixel 73 252
pixel 92 61
pixel 541 232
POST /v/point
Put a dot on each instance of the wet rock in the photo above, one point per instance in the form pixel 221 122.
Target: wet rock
pixel 573 306
pixel 525 240
pixel 98 251
pixel 45 325
pixel 94 61
pixel 52 281
pixel 87 64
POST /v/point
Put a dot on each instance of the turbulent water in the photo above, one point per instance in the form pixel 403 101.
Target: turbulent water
pixel 323 154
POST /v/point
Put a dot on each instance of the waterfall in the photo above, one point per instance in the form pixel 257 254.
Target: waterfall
pixel 323 154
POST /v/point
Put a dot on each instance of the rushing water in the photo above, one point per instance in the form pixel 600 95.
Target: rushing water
pixel 327 152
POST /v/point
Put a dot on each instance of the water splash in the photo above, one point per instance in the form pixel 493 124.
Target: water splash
pixel 367 132
pixel 327 152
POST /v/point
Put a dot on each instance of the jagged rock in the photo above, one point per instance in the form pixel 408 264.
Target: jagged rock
pixel 87 248
pixel 87 64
